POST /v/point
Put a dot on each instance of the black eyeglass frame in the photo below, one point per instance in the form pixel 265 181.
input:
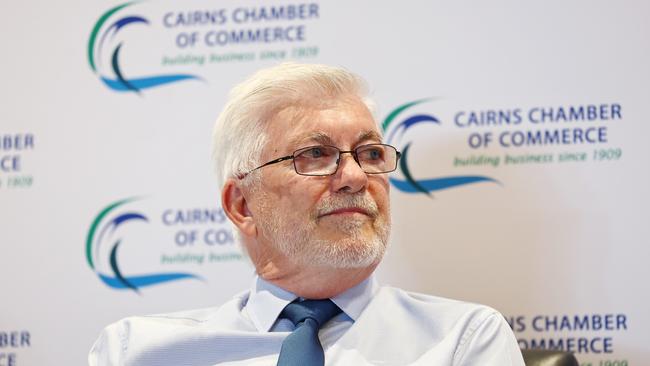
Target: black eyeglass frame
pixel 353 152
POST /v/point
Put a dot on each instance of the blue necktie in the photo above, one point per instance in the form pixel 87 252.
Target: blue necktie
pixel 302 347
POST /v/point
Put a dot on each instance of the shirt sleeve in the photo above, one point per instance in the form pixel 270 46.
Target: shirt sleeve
pixel 109 348
pixel 490 343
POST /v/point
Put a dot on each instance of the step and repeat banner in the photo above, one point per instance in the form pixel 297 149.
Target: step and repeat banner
pixel 524 182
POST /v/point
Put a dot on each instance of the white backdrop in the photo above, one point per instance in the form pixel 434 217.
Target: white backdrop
pixel 524 188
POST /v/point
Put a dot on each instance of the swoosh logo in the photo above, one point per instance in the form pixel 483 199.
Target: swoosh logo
pixel 104 227
pixel 113 75
pixel 395 128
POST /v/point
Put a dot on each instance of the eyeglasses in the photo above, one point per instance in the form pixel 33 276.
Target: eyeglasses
pixel 324 160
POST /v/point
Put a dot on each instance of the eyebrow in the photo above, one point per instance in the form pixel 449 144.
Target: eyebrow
pixel 369 135
pixel 324 139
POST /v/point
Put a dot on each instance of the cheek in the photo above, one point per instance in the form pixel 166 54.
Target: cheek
pixel 380 191
pixel 380 187
pixel 301 194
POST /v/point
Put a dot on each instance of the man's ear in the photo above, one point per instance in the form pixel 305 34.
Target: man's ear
pixel 235 206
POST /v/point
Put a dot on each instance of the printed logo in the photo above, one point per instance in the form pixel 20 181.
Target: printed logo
pixel 104 237
pixel 105 53
pixel 134 40
pixel 16 151
pixel 588 334
pixel 395 126
pixel 11 343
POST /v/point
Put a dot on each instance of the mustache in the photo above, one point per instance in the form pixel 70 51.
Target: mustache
pixel 360 201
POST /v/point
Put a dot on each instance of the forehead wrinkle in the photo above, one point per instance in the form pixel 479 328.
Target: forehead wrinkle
pixel 315 136
pixel 323 139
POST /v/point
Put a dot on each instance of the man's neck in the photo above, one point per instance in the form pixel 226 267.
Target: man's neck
pixel 314 282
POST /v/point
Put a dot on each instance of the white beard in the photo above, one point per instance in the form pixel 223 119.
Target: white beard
pixel 300 242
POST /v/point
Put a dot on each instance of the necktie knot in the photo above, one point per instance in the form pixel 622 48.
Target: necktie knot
pixel 319 310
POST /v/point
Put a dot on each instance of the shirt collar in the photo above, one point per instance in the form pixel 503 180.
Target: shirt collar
pixel 266 301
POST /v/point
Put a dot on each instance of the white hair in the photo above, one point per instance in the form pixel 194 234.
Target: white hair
pixel 239 134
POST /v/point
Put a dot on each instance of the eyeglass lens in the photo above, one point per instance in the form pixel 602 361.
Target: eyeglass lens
pixel 323 160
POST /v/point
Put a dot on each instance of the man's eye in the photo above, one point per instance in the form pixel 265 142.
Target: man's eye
pixel 316 153
pixel 372 154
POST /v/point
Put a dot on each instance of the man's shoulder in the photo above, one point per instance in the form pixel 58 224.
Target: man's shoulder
pixel 145 340
pixel 440 330
pixel 420 300
pixel 435 312
pixel 221 315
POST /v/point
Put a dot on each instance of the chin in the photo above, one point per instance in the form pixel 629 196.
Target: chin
pixel 348 251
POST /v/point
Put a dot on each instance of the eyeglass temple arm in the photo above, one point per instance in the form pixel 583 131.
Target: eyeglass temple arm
pixel 243 175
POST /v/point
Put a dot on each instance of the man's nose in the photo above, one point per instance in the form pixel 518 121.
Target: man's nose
pixel 349 176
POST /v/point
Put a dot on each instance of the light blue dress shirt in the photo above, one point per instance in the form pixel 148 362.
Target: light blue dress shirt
pixel 378 326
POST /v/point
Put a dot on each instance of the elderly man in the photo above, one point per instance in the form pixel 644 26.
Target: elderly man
pixel 303 170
